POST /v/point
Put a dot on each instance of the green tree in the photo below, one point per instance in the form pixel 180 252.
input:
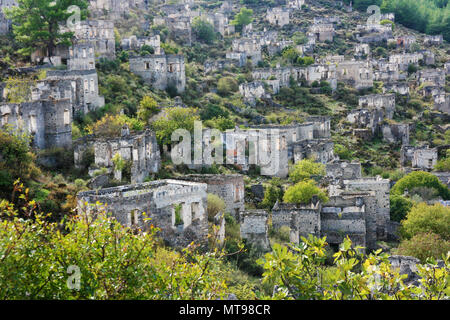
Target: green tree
pixel 424 218
pixel 400 207
pixel 243 18
pixel 301 273
pixel 203 30
pixel 215 205
pixel 420 179
pixel 303 192
pixel 37 23
pixel 147 108
pixel 305 169
pixel 272 194
pixel 174 118
pixel 227 85
pixel 424 246
pixel 113 262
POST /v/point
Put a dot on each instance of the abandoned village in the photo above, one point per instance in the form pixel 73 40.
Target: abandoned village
pixel 356 96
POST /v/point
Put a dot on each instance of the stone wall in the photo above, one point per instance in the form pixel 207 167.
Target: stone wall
pixel 255 229
pixel 160 201
pixel 339 171
pixel 278 16
pixel 230 188
pixel 161 71
pixel 85 92
pixel 49 122
pixel 5 24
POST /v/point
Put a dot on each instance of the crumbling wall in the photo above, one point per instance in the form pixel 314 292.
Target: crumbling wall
pixel 159 200
pixel 255 229
pixel 161 71
pixel 230 188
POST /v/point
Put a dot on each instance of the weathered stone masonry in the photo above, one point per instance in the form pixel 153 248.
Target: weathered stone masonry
pixel 159 200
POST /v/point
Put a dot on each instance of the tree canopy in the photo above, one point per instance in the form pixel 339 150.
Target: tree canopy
pixel 37 23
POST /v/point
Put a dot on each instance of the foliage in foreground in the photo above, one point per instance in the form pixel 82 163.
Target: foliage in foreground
pixel 300 273
pixel 40 260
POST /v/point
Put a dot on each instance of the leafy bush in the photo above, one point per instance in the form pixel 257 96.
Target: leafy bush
pixel 203 30
pixel 425 218
pixel 303 192
pixel 424 246
pixel 400 206
pixel 215 205
pixel 111 125
pixel 305 169
pixel 300 272
pixel 420 179
pixel 227 85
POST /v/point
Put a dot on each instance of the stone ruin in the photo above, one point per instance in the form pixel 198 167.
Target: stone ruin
pixel 404 42
pixel 5 24
pixel 436 40
pixel 372 112
pixel 396 133
pixel 220 22
pixel 401 88
pixel 322 32
pixel 405 59
pixel 386 71
pixel 252 91
pixel 278 16
pixel 99 33
pixel 161 71
pixel 373 33
pixel 255 228
pixel 48 121
pixel 419 157
pixel 431 76
pixel 251 48
pixel 338 171
pixel 358 74
pixel 136 43
pixel 115 9
pixel 177 208
pixel 275 146
pixel 349 214
pixel 140 150
pixel 229 188
pixel 362 49
pixel 295 4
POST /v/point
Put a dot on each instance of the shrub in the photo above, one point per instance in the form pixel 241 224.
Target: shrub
pixel 425 218
pixel 305 169
pixel 303 192
pixel 227 85
pixel 420 179
pixel 215 206
pixel 424 246
pixel 400 206
pixel 203 30
pixel 272 194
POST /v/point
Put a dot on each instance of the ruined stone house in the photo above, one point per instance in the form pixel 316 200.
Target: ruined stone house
pixel 405 42
pixel 397 133
pixel 376 193
pixel 405 59
pixel 295 4
pixel 115 9
pixel 358 74
pixel 251 47
pixel 136 43
pixel 84 88
pixel 349 214
pixel 322 32
pixel 47 121
pixel 431 76
pixel 255 228
pixel 5 24
pixel 161 71
pixel 229 188
pixel 278 16
pixel 401 88
pixel 177 208
pixel 433 40
pixel 419 157
pixel 379 102
pixel 338 171
pixel 362 49
pixel 99 33
pixel 140 150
